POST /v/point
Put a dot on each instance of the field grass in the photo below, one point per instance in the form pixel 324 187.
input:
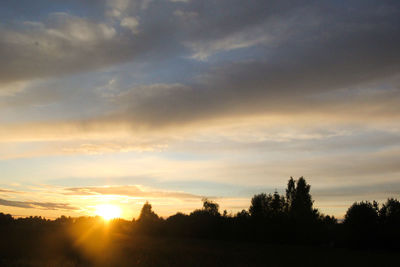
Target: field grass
pixel 151 251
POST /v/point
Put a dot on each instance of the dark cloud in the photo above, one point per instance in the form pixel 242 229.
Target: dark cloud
pixel 57 47
pixel 235 94
pixel 314 49
pixel 36 205
pixel 60 43
pixel 299 51
pixel 312 31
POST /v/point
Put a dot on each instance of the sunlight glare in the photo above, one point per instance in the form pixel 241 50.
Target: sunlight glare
pixel 108 212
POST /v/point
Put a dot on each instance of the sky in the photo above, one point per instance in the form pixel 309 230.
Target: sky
pixel 119 102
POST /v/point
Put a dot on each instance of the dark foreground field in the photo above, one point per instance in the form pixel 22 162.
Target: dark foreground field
pixel 152 251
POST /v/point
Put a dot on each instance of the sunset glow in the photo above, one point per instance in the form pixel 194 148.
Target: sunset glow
pixel 193 132
pixel 108 212
pixel 123 102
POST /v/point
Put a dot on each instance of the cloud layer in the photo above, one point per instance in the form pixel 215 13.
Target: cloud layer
pixel 245 93
pixel 288 59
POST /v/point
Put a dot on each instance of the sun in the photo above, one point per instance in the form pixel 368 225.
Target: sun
pixel 108 212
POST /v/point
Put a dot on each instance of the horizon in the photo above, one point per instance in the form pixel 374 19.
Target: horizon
pixel 111 212
pixel 113 103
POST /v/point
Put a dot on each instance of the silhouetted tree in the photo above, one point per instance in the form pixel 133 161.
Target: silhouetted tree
pixel 204 222
pixel 6 219
pixel 290 193
pixel 259 206
pixel 269 206
pixel 243 214
pixel 389 218
pixel 267 214
pixel 149 222
pixel 147 214
pixel 225 214
pixel 362 214
pixel 299 201
pixel 278 205
pixel 211 207
pixel 361 221
pixel 178 225
pixel 390 212
pixel 328 220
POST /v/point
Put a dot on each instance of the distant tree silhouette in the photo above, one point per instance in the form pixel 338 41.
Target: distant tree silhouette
pixel 390 212
pixel 211 207
pixel 299 201
pixel 389 218
pixel 362 214
pixel 267 213
pixel 178 225
pixel 290 193
pixel 278 205
pixel 148 221
pixel 225 214
pixel 147 214
pixel 6 219
pixel 327 219
pixel 207 222
pixel 178 216
pixel 259 206
pixel 267 207
pixel 361 221
pixel 243 214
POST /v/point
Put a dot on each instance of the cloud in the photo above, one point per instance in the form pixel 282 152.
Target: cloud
pixel 131 23
pixel 202 51
pixel 330 128
pixel 9 191
pixel 36 205
pixel 100 148
pixel 306 58
pixel 268 33
pixel 11 89
pixel 60 148
pixel 130 191
pixel 63 43
pixel 59 46
pixel 368 191
pixel 221 94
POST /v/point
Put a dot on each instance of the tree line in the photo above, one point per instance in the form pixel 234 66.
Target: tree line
pixel 274 218
pixel 289 218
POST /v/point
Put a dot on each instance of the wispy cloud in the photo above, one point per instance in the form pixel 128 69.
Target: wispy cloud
pixel 9 191
pixel 36 205
pixel 130 191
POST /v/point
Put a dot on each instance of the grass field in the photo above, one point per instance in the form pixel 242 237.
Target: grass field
pixel 149 251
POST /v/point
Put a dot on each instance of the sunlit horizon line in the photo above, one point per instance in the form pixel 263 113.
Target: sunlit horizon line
pixel 108 211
